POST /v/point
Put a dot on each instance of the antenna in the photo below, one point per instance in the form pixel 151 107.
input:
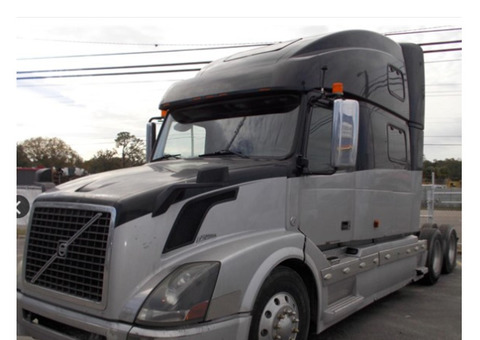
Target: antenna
pixel 324 70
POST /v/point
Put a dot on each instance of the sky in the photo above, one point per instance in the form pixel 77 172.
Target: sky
pixel 88 112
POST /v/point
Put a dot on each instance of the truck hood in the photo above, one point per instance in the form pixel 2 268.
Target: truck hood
pixel 138 191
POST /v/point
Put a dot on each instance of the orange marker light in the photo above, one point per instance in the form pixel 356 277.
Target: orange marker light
pixel 164 113
pixel 337 88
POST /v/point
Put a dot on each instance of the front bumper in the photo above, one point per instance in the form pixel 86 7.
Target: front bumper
pixel 44 321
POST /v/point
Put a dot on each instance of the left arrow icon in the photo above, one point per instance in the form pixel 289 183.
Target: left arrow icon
pixel 22 206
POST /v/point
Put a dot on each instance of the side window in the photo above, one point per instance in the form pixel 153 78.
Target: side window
pixel 396 82
pixel 319 140
pixel 390 141
pixel 185 140
pixel 397 145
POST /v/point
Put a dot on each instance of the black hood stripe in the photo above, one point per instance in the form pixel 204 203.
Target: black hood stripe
pixel 191 216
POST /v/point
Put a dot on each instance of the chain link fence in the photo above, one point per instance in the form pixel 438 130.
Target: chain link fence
pixel 442 205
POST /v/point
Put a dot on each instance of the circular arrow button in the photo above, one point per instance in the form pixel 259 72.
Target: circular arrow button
pixel 22 206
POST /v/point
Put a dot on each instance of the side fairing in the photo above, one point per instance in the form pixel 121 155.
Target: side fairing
pixel 358 206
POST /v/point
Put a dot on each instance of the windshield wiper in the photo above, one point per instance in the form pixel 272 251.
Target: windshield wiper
pixel 168 156
pixel 224 152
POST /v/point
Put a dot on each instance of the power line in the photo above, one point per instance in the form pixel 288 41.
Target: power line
pixel 145 52
pixel 116 82
pixel 138 44
pixel 440 43
pixel 215 47
pixel 178 64
pixel 154 44
pixel 146 66
pixel 420 31
pixel 107 74
pixel 444 50
pixel 114 67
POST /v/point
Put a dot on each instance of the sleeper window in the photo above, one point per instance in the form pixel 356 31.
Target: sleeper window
pixel 397 147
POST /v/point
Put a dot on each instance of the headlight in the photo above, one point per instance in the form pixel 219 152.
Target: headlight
pixel 182 297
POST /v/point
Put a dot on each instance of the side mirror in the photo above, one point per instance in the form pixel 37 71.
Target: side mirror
pixel 345 133
pixel 151 136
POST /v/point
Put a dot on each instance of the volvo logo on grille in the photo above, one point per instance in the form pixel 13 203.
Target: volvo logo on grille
pixel 62 249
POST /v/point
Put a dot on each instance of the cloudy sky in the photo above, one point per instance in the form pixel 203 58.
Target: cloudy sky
pixel 87 112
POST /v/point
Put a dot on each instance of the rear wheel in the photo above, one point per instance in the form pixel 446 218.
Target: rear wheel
pixel 282 309
pixel 434 254
pixel 449 236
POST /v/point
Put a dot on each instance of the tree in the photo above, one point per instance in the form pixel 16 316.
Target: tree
pixel 444 169
pixel 132 149
pixel 22 159
pixel 103 161
pixel 48 152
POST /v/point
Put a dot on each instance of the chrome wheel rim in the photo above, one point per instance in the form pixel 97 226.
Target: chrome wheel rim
pixel 452 248
pixel 437 258
pixel 279 318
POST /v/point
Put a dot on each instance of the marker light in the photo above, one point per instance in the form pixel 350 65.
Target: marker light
pixel 164 113
pixel 337 88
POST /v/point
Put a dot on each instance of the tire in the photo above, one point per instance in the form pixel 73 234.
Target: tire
pixel 434 255
pixel 282 309
pixel 449 237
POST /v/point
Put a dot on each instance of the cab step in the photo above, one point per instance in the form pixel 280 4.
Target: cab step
pixel 343 306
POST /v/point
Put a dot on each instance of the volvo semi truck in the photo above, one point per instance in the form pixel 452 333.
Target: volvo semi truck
pixel 281 194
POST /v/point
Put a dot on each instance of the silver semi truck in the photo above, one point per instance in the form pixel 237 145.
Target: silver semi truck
pixel 281 194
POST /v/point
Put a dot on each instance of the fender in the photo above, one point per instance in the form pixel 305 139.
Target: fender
pixel 246 260
pixel 245 267
pixel 263 271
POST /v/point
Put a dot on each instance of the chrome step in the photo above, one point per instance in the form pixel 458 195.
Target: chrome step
pixel 339 308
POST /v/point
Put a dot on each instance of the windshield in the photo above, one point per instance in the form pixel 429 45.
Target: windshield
pixel 259 127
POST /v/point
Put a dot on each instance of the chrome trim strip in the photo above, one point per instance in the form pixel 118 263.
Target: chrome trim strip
pixel 352 265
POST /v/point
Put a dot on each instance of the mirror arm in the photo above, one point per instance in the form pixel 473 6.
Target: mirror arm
pixel 302 164
pixel 151 136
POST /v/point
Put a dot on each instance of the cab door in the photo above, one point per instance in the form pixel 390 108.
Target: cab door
pixel 327 189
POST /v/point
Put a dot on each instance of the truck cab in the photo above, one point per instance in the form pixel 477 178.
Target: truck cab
pixel 281 195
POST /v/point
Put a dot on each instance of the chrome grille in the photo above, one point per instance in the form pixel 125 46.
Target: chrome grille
pixel 67 250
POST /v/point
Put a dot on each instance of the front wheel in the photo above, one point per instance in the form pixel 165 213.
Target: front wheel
pixel 282 309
